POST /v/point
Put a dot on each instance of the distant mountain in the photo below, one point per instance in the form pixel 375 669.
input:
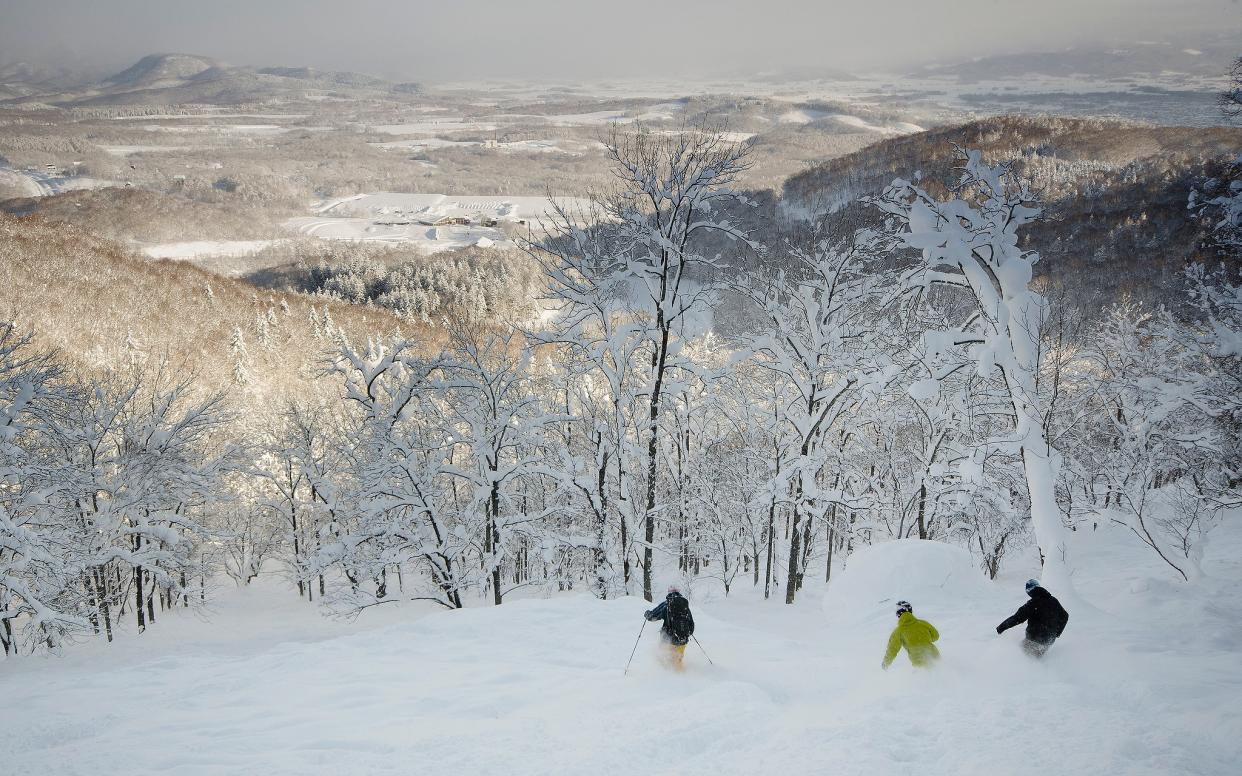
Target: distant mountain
pixel 172 79
pixel 21 79
pixel 161 70
pixel 1146 58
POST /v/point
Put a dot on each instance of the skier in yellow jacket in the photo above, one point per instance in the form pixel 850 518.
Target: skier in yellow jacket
pixel 915 635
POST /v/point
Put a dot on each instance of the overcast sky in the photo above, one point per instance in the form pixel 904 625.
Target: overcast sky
pixel 438 40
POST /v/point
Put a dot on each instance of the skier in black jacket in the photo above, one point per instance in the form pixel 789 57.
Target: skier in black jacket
pixel 678 627
pixel 1044 616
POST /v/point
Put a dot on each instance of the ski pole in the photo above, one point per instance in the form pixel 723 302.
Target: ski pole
pixel 635 649
pixel 709 657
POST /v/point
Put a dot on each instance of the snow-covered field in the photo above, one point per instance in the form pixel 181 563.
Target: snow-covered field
pixel 563 146
pixel 437 125
pixel 427 143
pixel 594 118
pixel 212 115
pixel 810 116
pixel 426 238
pixel 411 218
pixel 224 129
pixel 130 150
pixel 1145 681
pixel 206 248
pixel 433 126
pixel 433 206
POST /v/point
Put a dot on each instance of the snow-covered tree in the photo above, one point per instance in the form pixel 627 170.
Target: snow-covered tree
pixel 404 507
pixel 1216 340
pixel 598 350
pixel 1218 200
pixel 969 244
pixel 821 321
pixel 306 469
pixel 140 465
pixel 248 537
pixel 241 358
pixel 640 250
pixel 495 422
pixel 1155 437
pixel 1217 203
pixel 38 576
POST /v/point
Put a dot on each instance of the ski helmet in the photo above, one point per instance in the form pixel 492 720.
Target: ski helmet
pixel 673 589
pixel 1031 584
pixel 904 606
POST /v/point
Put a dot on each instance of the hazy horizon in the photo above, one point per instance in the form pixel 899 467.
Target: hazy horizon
pixel 549 39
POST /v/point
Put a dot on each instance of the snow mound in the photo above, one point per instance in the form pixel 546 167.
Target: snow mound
pixel 932 576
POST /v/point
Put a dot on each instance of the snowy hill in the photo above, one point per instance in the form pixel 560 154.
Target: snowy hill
pixel 1092 175
pixel 1144 682
pixel 122 292
pixel 19 79
pixel 155 70
pixel 173 79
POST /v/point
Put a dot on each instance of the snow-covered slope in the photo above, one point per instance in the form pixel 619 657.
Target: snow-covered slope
pixel 855 123
pixel 1147 686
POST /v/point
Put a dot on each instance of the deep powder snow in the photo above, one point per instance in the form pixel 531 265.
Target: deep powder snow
pixel 1144 682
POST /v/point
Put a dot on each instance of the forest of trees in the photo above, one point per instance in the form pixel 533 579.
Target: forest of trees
pixel 904 382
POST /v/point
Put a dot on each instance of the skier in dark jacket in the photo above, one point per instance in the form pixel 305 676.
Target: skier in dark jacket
pixel 1044 616
pixel 678 627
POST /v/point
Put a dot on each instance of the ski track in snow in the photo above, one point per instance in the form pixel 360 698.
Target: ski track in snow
pixel 536 687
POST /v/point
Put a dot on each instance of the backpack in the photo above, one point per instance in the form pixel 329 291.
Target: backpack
pixel 1059 618
pixel 678 621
